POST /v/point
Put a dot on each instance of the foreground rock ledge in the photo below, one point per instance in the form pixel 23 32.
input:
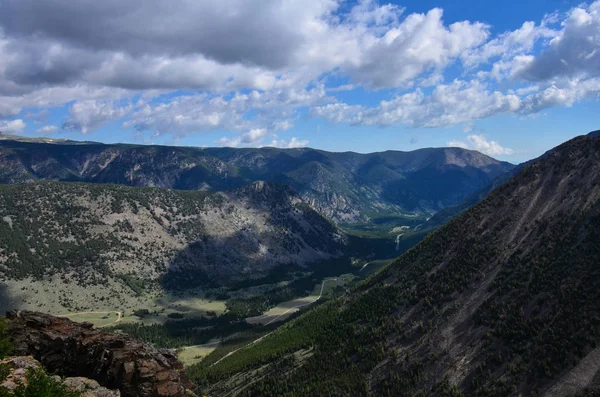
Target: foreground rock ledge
pixel 17 374
pixel 115 361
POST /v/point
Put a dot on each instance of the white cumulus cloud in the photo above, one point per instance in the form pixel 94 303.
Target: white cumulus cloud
pixel 574 52
pixel 91 114
pixel 49 129
pixel 250 138
pixel 292 143
pixel 459 144
pixel 12 126
pixel 454 103
pixel 260 66
pixel 483 145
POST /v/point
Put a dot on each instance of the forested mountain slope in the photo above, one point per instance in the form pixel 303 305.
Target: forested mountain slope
pixel 98 233
pixel 347 187
pixel 504 300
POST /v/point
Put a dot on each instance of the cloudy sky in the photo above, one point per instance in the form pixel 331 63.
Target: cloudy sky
pixel 508 78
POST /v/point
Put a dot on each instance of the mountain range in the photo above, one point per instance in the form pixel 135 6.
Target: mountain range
pixel 346 187
pixel 114 220
pixel 502 301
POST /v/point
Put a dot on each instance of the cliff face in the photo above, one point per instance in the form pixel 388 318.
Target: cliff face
pixel 115 361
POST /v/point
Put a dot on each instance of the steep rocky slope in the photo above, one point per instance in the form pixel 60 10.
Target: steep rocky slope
pixel 115 361
pixel 504 300
pixel 347 187
pixel 110 235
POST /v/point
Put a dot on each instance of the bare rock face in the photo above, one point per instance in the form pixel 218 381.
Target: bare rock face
pixel 18 375
pixel 115 361
pixel 18 370
pixel 89 387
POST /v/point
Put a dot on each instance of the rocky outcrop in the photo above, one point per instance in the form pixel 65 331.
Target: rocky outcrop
pixel 18 370
pixel 115 361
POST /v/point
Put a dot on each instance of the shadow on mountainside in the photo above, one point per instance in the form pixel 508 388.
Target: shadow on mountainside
pixel 249 254
pixel 9 301
pixel 214 261
pixel 434 187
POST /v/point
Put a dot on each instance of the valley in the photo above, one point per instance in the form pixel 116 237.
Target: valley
pixel 164 265
pixel 253 282
pixel 501 301
pixel 195 307
pixel 299 198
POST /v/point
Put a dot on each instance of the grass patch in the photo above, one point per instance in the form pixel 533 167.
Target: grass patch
pixel 194 355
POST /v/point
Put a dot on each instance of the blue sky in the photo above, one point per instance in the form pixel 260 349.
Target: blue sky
pixel 511 79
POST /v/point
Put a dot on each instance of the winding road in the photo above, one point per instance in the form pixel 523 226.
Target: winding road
pixel 204 345
pixel 119 316
pixel 304 304
pixel 243 347
pixel 284 313
pixel 297 306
